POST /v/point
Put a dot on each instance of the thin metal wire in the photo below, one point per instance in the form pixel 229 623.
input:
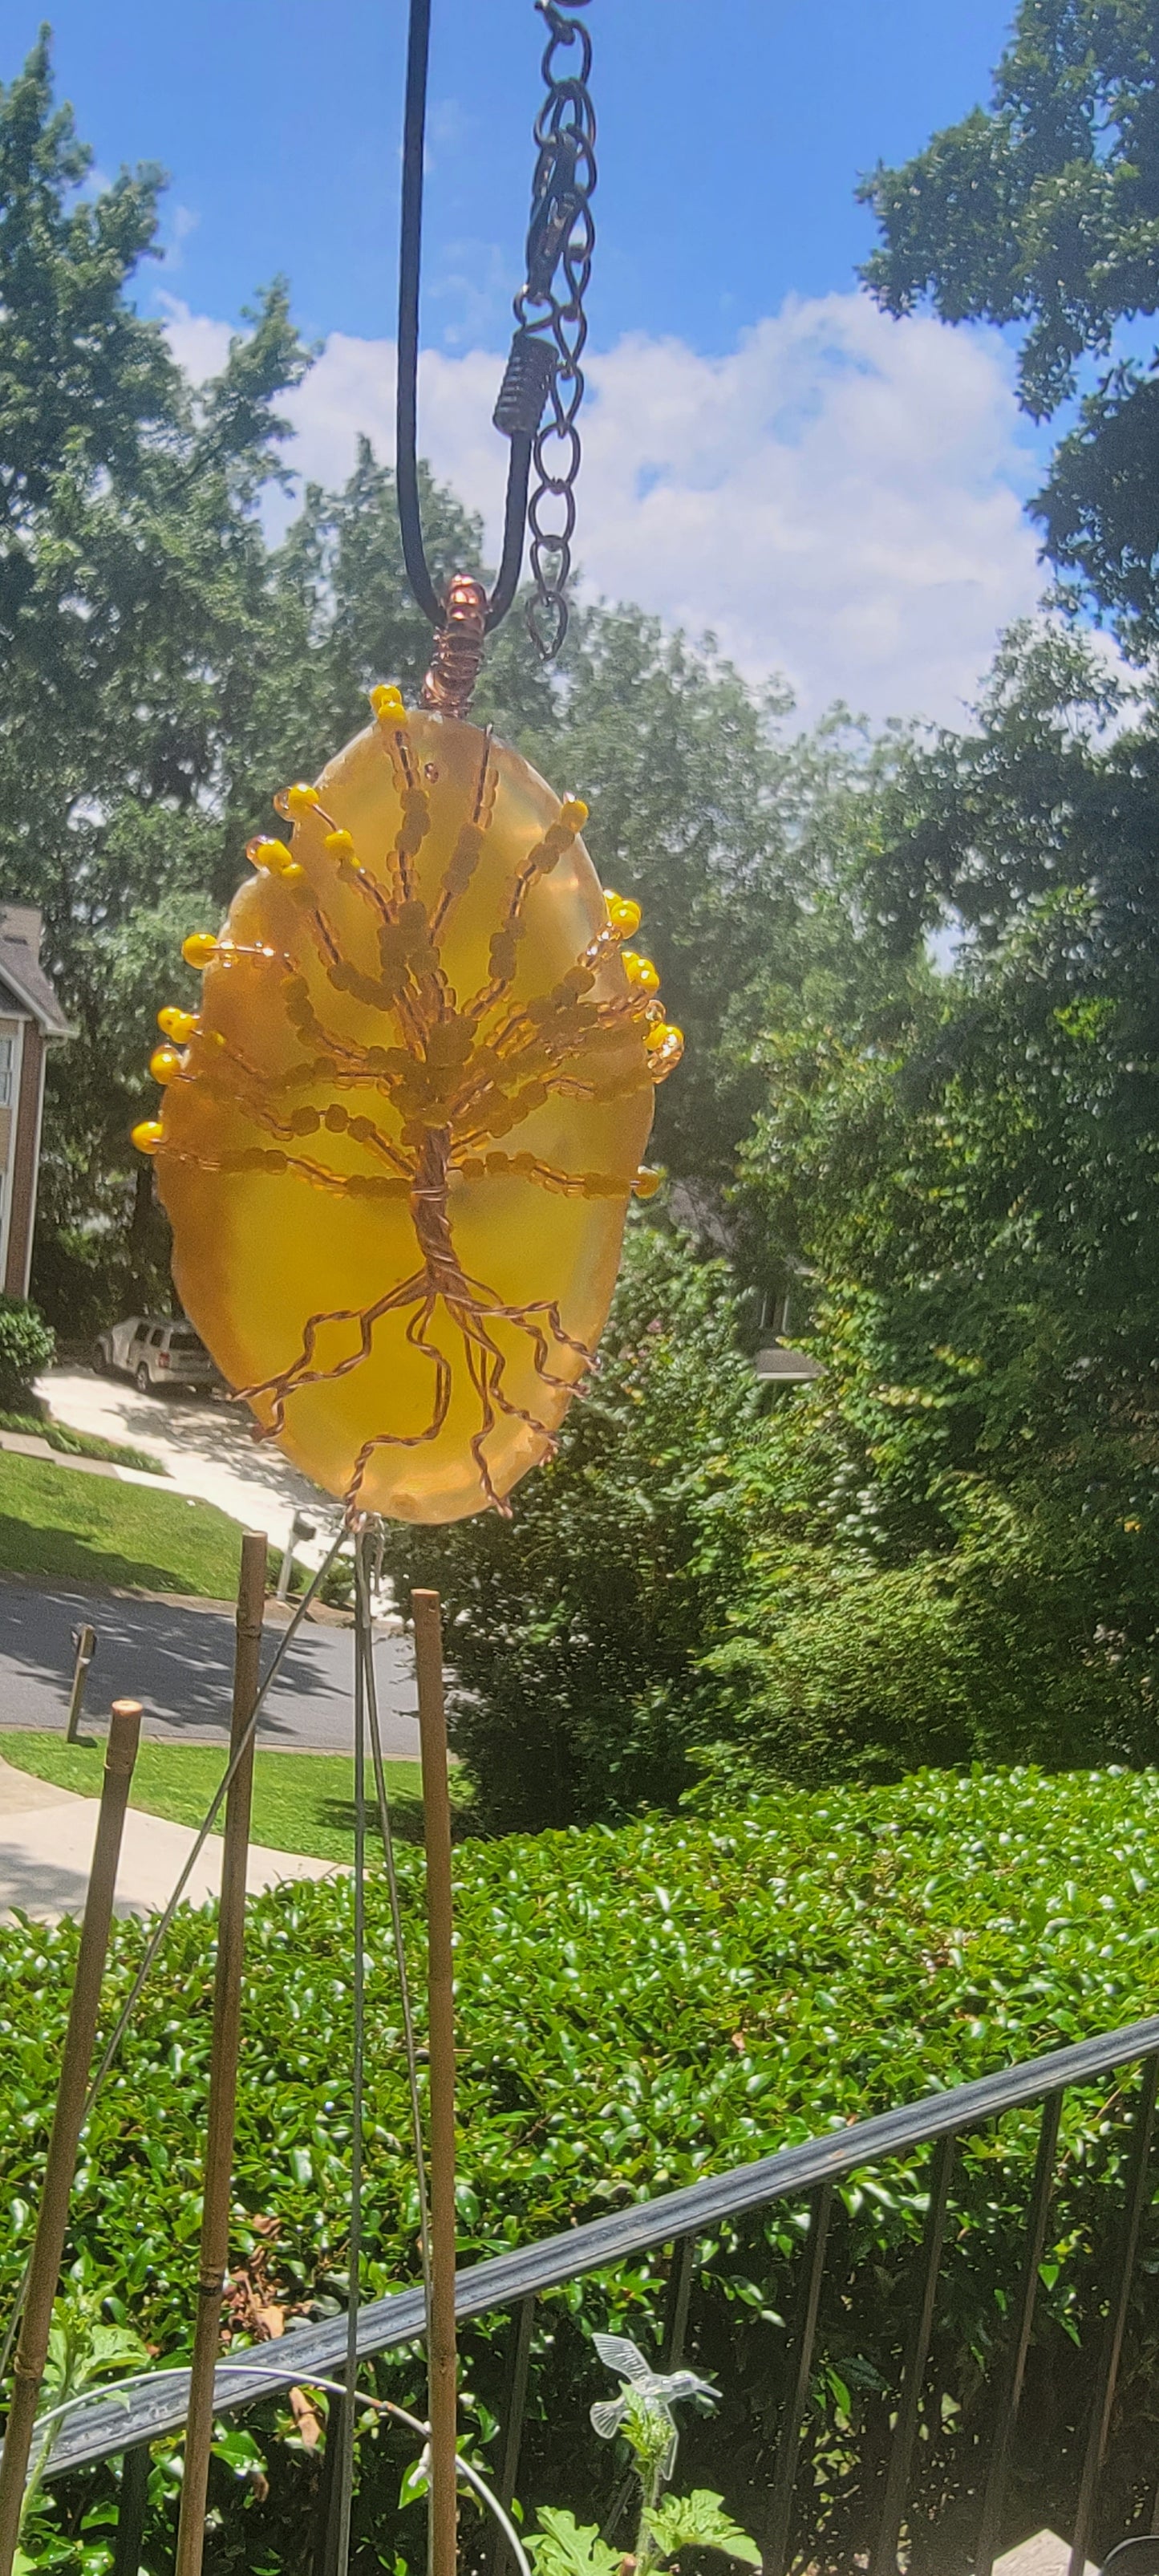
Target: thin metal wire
pixel 346 2425
pixel 386 1831
pixel 164 1921
pixel 332 2388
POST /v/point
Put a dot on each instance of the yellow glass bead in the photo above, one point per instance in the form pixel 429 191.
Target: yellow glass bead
pixel 339 844
pixel 200 948
pixel 662 1034
pixel 178 1025
pixel 301 799
pixel 640 971
pixel 387 704
pixel 164 1064
pixel 646 1183
pixel 264 852
pixel 147 1135
pixel 623 915
pixel 574 813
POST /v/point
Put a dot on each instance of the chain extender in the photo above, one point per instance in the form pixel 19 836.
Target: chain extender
pixel 543 367
pixel 544 364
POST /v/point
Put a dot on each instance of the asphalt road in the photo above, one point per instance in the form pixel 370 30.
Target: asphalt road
pixel 179 1663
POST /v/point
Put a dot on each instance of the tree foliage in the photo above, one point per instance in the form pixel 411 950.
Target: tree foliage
pixel 973 1178
pixel 165 669
pixel 1042 213
pixel 953 1160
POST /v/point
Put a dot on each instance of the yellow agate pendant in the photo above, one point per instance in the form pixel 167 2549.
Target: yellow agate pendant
pixel 398 1140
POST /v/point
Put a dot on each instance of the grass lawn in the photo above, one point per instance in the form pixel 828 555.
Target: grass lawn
pixel 82 1444
pixel 64 1526
pixel 303 1802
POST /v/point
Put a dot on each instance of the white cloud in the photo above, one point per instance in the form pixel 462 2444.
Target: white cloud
pixel 199 344
pixel 839 499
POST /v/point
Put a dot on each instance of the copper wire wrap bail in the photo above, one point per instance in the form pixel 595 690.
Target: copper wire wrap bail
pixel 450 682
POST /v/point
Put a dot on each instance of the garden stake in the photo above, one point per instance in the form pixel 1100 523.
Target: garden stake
pixel 251 1595
pixel 441 2399
pixel 44 2269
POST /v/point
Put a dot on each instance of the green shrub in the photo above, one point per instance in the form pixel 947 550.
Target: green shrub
pixel 638 2009
pixel 842 1667
pixel 985 1652
pixel 576 1628
pixel 27 1345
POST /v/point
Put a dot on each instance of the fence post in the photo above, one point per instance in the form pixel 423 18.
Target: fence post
pixel 131 2504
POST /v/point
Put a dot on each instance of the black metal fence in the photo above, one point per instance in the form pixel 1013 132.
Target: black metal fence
pixel 677 2239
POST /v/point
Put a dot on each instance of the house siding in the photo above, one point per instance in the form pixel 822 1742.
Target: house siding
pixel 22 1170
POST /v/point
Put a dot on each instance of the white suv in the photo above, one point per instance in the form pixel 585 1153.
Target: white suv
pixel 155 1352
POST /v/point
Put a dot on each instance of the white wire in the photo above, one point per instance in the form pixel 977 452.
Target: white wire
pixel 334 2388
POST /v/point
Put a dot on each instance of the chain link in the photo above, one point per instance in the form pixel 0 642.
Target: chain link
pixel 550 305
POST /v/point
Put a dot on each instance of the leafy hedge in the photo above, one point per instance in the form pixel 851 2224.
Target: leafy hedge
pixel 27 1345
pixel 637 2009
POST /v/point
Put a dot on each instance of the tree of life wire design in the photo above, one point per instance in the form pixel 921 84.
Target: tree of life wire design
pixel 466 1073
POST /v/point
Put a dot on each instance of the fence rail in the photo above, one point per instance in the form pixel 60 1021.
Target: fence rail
pixel 512 2282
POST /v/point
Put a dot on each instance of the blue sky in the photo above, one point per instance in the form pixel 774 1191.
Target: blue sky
pixel 730 143
pixel 736 364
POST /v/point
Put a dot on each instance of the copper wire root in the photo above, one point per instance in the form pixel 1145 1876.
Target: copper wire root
pixel 470 1308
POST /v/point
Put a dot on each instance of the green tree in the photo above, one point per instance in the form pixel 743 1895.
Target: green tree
pixel 692 802
pixel 974 1178
pixel 576 1626
pixel 133 618
pixel 1042 213
pixel 165 671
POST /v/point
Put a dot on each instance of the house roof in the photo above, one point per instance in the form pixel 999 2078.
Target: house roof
pixel 23 976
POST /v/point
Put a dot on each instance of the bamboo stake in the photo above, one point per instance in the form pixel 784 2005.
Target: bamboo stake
pixel 442 2396
pixel 44 2269
pixel 215 2206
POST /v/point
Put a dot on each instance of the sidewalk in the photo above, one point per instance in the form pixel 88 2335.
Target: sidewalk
pixel 46 1840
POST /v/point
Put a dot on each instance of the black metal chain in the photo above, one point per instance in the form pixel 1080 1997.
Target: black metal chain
pixel 544 361
pixel 561 236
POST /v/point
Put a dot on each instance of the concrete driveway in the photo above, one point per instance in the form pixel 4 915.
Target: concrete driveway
pixel 177 1659
pixel 206 1447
